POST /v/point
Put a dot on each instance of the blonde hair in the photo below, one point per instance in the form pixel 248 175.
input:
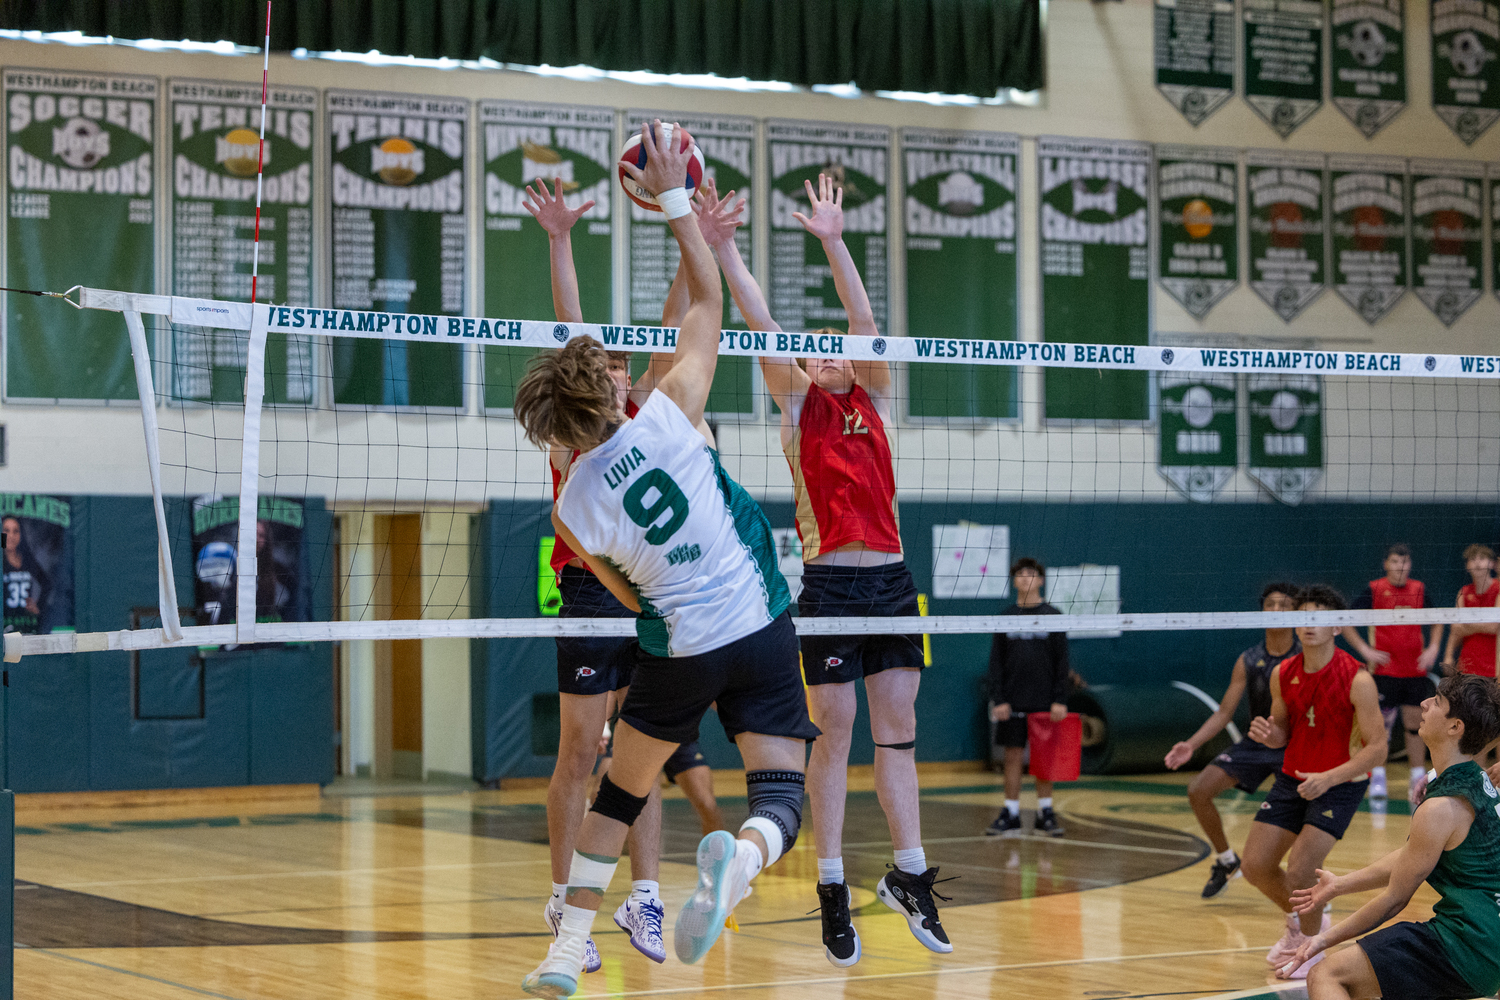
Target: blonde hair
pixel 567 398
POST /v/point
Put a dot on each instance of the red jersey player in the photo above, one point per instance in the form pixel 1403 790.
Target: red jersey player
pixel 1475 644
pixel 1321 704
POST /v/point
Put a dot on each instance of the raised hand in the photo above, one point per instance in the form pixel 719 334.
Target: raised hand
pixel 1314 896
pixel 666 166
pixel 718 218
pixel 1179 755
pixel 827 219
pixel 550 210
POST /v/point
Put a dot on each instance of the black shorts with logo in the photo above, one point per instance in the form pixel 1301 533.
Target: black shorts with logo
pixel 684 758
pixel 586 665
pixel 1410 964
pixel 1329 812
pixel 1013 732
pixel 857 592
pixel 1249 763
pixel 1398 691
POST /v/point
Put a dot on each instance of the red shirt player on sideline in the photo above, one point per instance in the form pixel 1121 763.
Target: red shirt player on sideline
pixel 1477 655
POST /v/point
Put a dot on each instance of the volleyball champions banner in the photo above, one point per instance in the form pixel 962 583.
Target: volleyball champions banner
pixel 1198 244
pixel 1466 65
pixel 1447 235
pixel 1284 60
pixel 1368 57
pixel 279 593
pixel 1288 229
pixel 1369 225
pixel 1286 434
pixel 1197 432
pixel 82 160
pixel 1195 55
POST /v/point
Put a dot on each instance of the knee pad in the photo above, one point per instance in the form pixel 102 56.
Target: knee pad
pixel 908 745
pixel 613 802
pixel 775 809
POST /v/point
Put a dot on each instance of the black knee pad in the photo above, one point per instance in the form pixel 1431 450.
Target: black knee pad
pixel 777 796
pixel 615 803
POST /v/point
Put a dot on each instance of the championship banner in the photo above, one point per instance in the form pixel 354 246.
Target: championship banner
pixel 82 162
pixel 1288 241
pixel 279 594
pixel 1195 55
pixel 1369 61
pixel 543 142
pixel 214 146
pixel 1096 268
pixel 1466 65
pixel 961 272
pixel 1198 433
pixel 399 239
pixel 1286 434
pixel 1197 192
pixel 1494 203
pixel 802 295
pixel 36 568
pixel 1447 235
pixel 1284 60
pixel 1369 225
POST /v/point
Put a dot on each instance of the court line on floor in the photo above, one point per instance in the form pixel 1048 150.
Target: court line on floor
pixel 313 874
pixel 1054 841
pixel 129 972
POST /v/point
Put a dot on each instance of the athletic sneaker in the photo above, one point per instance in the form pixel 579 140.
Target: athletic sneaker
pixel 591 962
pixel 1286 949
pixel 557 976
pixel 722 883
pixel 1046 824
pixel 911 896
pixel 641 918
pixel 1377 785
pixel 840 939
pixel 1220 876
pixel 1007 824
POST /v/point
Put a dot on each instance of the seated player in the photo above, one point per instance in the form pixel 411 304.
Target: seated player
pixel 1247 764
pixel 665 529
pixel 1454 846
pixel 1475 644
pixel 1322 705
pixel 687 769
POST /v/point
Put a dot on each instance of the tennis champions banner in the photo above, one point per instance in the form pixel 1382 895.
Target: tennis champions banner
pixel 1198 437
pixel 1288 237
pixel 1369 225
pixel 1286 434
pixel 1466 65
pixel 36 567
pixel 961 203
pixel 1369 61
pixel 550 143
pixel 1447 235
pixel 399 239
pixel 214 151
pixel 1096 268
pixel 1284 60
pixel 1197 199
pixel 1195 55
pixel 82 160
pixel 279 594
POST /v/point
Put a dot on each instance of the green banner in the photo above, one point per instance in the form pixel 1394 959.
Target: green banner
pixel 1369 226
pixel 399 240
pixel 1197 193
pixel 1466 65
pixel 82 212
pixel 1368 58
pixel 961 191
pixel 1195 55
pixel 1288 237
pixel 543 142
pixel 1198 436
pixel 1447 235
pixel 1286 434
pixel 1096 269
pixel 1284 60
pixel 728 146
pixel 214 150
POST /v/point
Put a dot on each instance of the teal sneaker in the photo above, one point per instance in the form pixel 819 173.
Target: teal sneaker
pixel 722 883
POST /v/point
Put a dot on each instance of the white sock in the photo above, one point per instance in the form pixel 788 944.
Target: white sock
pixel 1013 806
pixel 751 855
pixel 831 870
pixel 1377 773
pixel 645 888
pixel 1417 774
pixel 576 920
pixel 1044 803
pixel 559 894
pixel 912 861
pixel 1228 857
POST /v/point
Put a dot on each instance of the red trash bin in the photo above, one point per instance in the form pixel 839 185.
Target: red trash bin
pixel 1056 747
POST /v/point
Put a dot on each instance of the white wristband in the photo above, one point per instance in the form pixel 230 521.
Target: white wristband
pixel 674 202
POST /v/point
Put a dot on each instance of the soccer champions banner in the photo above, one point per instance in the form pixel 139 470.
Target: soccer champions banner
pixel 80 170
pixel 1096 268
pixel 279 594
pixel 1369 61
pixel 1198 443
pixel 1288 244
pixel 36 567
pixel 1286 434
pixel 214 150
pixel 1466 65
pixel 961 263
pixel 1284 60
pixel 1197 192
pixel 1447 235
pixel 549 143
pixel 399 239
pixel 1195 55
pixel 856 157
pixel 1369 225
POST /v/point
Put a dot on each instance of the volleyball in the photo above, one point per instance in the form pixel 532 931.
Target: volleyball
pixel 635 153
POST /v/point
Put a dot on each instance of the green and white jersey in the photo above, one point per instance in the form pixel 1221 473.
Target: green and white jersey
pixel 653 502
pixel 1467 918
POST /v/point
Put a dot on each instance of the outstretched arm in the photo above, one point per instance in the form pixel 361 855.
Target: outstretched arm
pixel 558 220
pixel 1183 752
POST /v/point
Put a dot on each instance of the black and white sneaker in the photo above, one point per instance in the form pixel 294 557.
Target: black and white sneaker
pixel 911 896
pixel 840 939
pixel 1047 824
pixel 1007 824
pixel 1220 877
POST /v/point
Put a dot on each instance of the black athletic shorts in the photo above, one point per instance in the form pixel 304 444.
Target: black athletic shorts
pixel 1410 964
pixel 588 665
pixel 1249 763
pixel 684 758
pixel 857 592
pixel 1012 732
pixel 1329 812
pixel 755 681
pixel 1398 691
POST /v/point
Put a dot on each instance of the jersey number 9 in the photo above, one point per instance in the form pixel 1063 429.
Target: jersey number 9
pixel 669 498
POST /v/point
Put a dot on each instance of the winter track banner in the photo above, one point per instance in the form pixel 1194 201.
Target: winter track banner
pixel 523 143
pixel 82 161
pixel 1284 60
pixel 1368 57
pixel 961 233
pixel 1288 230
pixel 399 239
pixel 1286 434
pixel 1466 65
pixel 213 133
pixel 1369 226
pixel 1096 268
pixel 1198 432
pixel 1447 235
pixel 1197 190
pixel 1195 55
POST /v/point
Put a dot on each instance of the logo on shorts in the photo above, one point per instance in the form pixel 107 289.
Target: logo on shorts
pixel 833 661
pixel 1328 813
pixel 584 672
pixel 1265 805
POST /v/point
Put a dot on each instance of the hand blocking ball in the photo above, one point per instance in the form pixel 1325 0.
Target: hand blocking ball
pixel 635 153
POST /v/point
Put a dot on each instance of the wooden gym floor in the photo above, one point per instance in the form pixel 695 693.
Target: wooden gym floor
pixel 439 895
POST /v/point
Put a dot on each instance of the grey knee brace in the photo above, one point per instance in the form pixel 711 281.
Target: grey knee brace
pixel 775 806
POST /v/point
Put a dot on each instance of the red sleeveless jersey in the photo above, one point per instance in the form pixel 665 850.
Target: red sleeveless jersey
pixel 1403 642
pixel 1320 716
pixel 842 475
pixel 1477 655
pixel 561 554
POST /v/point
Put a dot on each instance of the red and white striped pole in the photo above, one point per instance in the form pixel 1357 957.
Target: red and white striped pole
pixel 260 163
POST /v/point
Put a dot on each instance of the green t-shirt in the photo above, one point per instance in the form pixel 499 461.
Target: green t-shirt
pixel 1467 918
